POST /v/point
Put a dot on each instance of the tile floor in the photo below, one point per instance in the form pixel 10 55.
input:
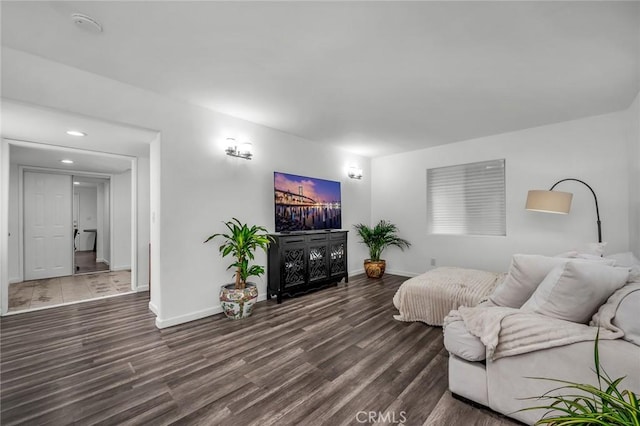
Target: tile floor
pixel 54 291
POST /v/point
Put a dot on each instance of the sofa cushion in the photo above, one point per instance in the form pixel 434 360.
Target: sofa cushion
pixel 574 291
pixel 458 341
pixel 525 274
pixel 468 379
pixel 627 318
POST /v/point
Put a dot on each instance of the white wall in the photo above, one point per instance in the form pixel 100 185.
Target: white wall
pixel 4 224
pixel 104 234
pixel 142 194
pixel 194 185
pixel 88 216
pixel 15 274
pixel 106 223
pixel 100 225
pixel 591 149
pixel 121 208
pixel 155 278
pixel 634 176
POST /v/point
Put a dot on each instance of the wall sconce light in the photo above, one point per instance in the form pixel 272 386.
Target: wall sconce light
pixel 354 172
pixel 244 150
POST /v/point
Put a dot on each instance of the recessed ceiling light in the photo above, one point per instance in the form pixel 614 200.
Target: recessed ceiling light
pixel 66 161
pixel 76 183
pixel 76 133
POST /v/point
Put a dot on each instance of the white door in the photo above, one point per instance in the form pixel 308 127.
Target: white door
pixel 48 237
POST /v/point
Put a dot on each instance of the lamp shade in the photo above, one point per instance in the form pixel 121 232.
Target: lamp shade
pixel 549 201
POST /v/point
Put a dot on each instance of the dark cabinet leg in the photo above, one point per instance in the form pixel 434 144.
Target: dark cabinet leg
pixel 279 298
pixel 346 279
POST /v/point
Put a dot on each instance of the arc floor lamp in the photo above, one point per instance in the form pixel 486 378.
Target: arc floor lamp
pixel 558 202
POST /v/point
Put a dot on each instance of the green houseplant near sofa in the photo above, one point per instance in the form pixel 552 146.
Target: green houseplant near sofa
pixel 378 238
pixel 586 404
pixel 241 242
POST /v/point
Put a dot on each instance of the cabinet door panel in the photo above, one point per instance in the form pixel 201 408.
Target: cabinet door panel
pixel 338 257
pixel 318 264
pixel 293 266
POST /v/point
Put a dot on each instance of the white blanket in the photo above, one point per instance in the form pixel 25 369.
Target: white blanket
pixel 429 297
pixel 508 331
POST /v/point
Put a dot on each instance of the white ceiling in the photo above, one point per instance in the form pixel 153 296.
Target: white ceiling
pixel 44 130
pixel 42 125
pixel 83 161
pixel 372 77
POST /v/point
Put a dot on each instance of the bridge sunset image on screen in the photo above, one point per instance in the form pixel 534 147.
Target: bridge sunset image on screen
pixel 304 203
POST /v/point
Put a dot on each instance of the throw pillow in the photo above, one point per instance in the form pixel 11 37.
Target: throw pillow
pixel 627 317
pixel 525 273
pixel 575 290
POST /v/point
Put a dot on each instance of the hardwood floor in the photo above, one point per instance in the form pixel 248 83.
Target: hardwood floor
pixel 85 261
pixel 327 358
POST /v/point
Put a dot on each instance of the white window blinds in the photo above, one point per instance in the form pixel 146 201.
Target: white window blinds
pixel 467 199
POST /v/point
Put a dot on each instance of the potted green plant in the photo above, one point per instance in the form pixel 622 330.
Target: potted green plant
pixel 378 238
pixel 241 242
pixel 586 404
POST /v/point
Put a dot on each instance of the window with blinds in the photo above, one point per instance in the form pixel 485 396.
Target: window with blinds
pixel 467 199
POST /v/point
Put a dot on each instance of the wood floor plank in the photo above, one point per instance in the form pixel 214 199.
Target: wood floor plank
pixel 319 359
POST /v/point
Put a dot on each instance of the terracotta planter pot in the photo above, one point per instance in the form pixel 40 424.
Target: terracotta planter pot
pixel 374 268
pixel 237 304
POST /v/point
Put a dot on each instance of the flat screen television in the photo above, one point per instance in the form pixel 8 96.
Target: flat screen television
pixel 304 203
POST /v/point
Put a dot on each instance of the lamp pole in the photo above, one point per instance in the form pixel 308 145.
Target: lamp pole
pixel 594 197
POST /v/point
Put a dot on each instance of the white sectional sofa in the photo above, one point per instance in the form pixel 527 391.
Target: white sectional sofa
pixel 500 377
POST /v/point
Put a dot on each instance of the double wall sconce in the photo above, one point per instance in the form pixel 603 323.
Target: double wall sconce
pixel 244 150
pixel 354 172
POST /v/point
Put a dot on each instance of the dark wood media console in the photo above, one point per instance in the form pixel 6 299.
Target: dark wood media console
pixel 301 262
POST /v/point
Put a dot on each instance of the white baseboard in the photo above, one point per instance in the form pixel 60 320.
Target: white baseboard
pixel 143 287
pixel 401 273
pixel 387 271
pixel 192 316
pixel 121 268
pixel 15 280
pixel 356 272
pixel 103 261
pixel 153 308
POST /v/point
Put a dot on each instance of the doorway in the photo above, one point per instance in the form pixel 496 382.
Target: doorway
pixel 67 239
pixel 91 224
pixel 87 251
pixel 34 136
